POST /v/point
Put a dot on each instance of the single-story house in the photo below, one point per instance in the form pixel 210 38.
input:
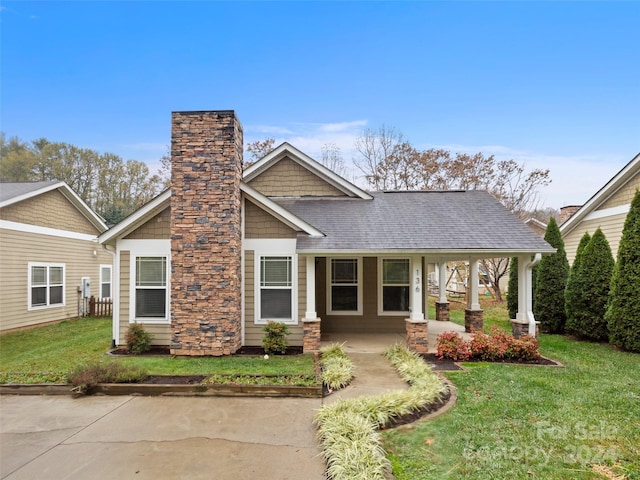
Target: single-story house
pixel 606 209
pixel 205 265
pixel 48 245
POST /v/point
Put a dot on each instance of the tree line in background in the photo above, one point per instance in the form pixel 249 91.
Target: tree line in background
pixel 388 161
pixel 597 298
pixel 112 187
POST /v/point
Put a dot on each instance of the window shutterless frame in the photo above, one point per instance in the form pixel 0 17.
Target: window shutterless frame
pixel 344 286
pixel 46 285
pixel 394 285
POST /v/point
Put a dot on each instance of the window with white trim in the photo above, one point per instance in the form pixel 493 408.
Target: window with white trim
pixel 395 285
pixel 344 281
pixel 276 289
pixel 105 281
pixel 151 288
pixel 46 285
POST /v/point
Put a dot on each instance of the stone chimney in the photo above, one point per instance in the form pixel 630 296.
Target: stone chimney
pixel 206 170
pixel 567 212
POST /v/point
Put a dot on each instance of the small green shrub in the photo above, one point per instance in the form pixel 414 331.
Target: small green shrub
pixel 84 377
pixel 275 338
pixel 138 340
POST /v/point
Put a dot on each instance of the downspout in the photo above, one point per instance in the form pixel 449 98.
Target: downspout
pixel 530 317
pixel 115 298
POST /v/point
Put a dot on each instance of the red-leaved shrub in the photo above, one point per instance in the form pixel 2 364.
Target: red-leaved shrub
pixel 491 347
pixel 451 345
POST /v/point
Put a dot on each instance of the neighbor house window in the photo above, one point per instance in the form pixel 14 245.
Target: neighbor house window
pixel 344 286
pixel 105 281
pixel 395 284
pixel 46 285
pixel 151 287
pixel 276 289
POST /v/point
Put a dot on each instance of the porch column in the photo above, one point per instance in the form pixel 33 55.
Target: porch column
pixel 473 314
pixel 525 320
pixel 442 305
pixel 310 312
pixel 416 289
pixel 311 323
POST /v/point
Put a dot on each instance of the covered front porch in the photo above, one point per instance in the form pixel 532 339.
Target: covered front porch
pixel 371 342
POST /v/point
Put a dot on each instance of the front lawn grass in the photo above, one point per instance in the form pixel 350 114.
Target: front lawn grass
pixel 47 354
pixel 522 422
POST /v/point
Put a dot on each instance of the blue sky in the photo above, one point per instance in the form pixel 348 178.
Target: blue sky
pixel 551 84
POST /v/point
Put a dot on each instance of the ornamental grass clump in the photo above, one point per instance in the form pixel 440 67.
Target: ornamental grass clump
pixel 85 377
pixel 337 368
pixel 348 429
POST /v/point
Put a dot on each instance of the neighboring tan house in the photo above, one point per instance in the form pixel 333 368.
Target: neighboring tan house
pixel 607 209
pixel 205 265
pixel 48 244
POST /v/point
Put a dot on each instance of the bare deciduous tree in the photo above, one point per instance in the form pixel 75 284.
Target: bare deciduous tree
pixel 258 149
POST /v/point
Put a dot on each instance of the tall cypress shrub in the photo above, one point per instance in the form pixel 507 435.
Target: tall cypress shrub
pixel 573 298
pixel 595 272
pixel 512 288
pixel 551 282
pixel 623 312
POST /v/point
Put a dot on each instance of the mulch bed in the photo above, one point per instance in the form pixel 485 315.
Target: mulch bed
pixel 159 350
pixel 260 351
pixel 418 414
pixel 155 351
pixel 449 365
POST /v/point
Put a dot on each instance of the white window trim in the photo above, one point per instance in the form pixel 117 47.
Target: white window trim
pixel 147 248
pixel 381 311
pixel 328 276
pixel 110 267
pixel 258 320
pixel 29 286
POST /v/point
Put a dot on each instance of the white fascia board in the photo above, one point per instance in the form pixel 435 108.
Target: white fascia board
pixel 137 218
pixel 608 212
pixel 611 187
pixel 306 161
pixel 279 212
pixel 53 232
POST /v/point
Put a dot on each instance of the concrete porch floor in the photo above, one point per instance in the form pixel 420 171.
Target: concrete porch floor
pixel 377 342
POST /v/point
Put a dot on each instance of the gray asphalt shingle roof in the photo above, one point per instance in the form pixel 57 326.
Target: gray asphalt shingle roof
pixel 428 221
pixel 9 190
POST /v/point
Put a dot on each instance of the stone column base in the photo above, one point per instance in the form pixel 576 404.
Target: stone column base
pixel 520 328
pixel 442 311
pixel 473 321
pixel 417 335
pixel 310 335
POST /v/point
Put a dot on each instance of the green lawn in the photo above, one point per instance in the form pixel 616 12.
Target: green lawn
pixel 48 354
pixel 528 422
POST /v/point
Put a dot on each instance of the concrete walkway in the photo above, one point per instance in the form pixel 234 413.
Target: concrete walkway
pixel 58 437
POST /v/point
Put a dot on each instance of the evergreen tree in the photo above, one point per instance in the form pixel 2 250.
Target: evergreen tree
pixel 623 313
pixel 551 282
pixel 512 292
pixel 573 298
pixel 595 271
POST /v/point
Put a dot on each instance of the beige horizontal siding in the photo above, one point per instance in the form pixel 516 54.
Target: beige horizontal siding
pixel 260 224
pixel 51 209
pixel 252 332
pixel 20 248
pixel 611 227
pixel 288 178
pixel 161 333
pixel 157 228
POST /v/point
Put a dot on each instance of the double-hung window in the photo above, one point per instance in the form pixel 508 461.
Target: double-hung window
pixel 276 289
pixel 395 285
pixel 105 281
pixel 344 286
pixel 46 285
pixel 151 288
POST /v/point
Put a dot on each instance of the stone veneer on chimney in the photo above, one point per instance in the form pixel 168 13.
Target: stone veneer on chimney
pixel 206 237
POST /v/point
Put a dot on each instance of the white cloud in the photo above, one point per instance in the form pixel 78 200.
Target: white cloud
pixel 342 126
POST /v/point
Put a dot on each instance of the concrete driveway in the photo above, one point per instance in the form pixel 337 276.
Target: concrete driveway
pixel 99 437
